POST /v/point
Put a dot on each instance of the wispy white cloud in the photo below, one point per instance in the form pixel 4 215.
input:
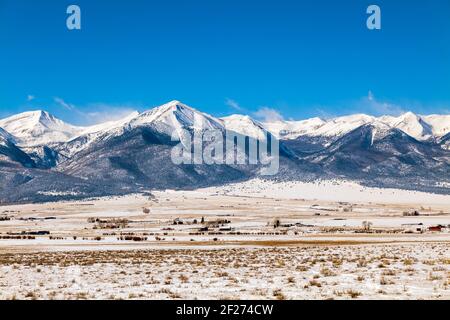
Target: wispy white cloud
pixel 98 112
pixel 30 97
pixel 64 104
pixel 372 105
pixel 234 105
pixel 267 114
pixel 324 114
pixel 106 112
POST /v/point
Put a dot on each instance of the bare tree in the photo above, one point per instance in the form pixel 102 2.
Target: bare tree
pixel 367 225
pixel 276 223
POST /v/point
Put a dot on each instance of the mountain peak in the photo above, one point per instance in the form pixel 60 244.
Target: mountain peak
pixel 167 108
pixel 39 127
pixel 175 102
pixel 241 117
pixel 174 116
pixel 32 118
pixel 35 113
pixel 173 105
pixel 410 123
pixel 410 114
pixel 408 117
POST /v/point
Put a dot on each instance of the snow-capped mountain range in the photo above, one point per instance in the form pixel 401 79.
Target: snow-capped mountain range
pixel 30 129
pixel 133 153
pixel 419 127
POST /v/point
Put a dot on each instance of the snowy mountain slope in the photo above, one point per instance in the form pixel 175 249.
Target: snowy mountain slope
pixel 385 157
pixel 245 126
pixel 168 119
pixel 445 142
pixel 174 117
pixel 140 158
pixel 91 134
pixel 342 125
pixel 110 125
pixel 317 127
pixel 440 124
pixel 411 124
pixel 419 127
pixel 138 154
pixel 43 156
pixel 12 156
pixel 294 129
pixel 5 137
pixel 31 185
pixel 38 128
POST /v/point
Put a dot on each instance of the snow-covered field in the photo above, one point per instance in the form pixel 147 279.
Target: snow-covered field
pixel 413 271
pixel 329 190
pixel 256 240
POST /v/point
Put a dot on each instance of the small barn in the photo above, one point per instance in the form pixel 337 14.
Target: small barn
pixel 435 228
pixel 413 227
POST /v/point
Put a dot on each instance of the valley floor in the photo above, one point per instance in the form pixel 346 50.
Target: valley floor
pixel 257 240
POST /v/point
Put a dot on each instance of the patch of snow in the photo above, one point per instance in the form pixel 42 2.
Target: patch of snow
pixel 328 190
pixel 58 193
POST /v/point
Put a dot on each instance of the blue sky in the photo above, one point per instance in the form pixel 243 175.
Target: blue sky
pixel 261 57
